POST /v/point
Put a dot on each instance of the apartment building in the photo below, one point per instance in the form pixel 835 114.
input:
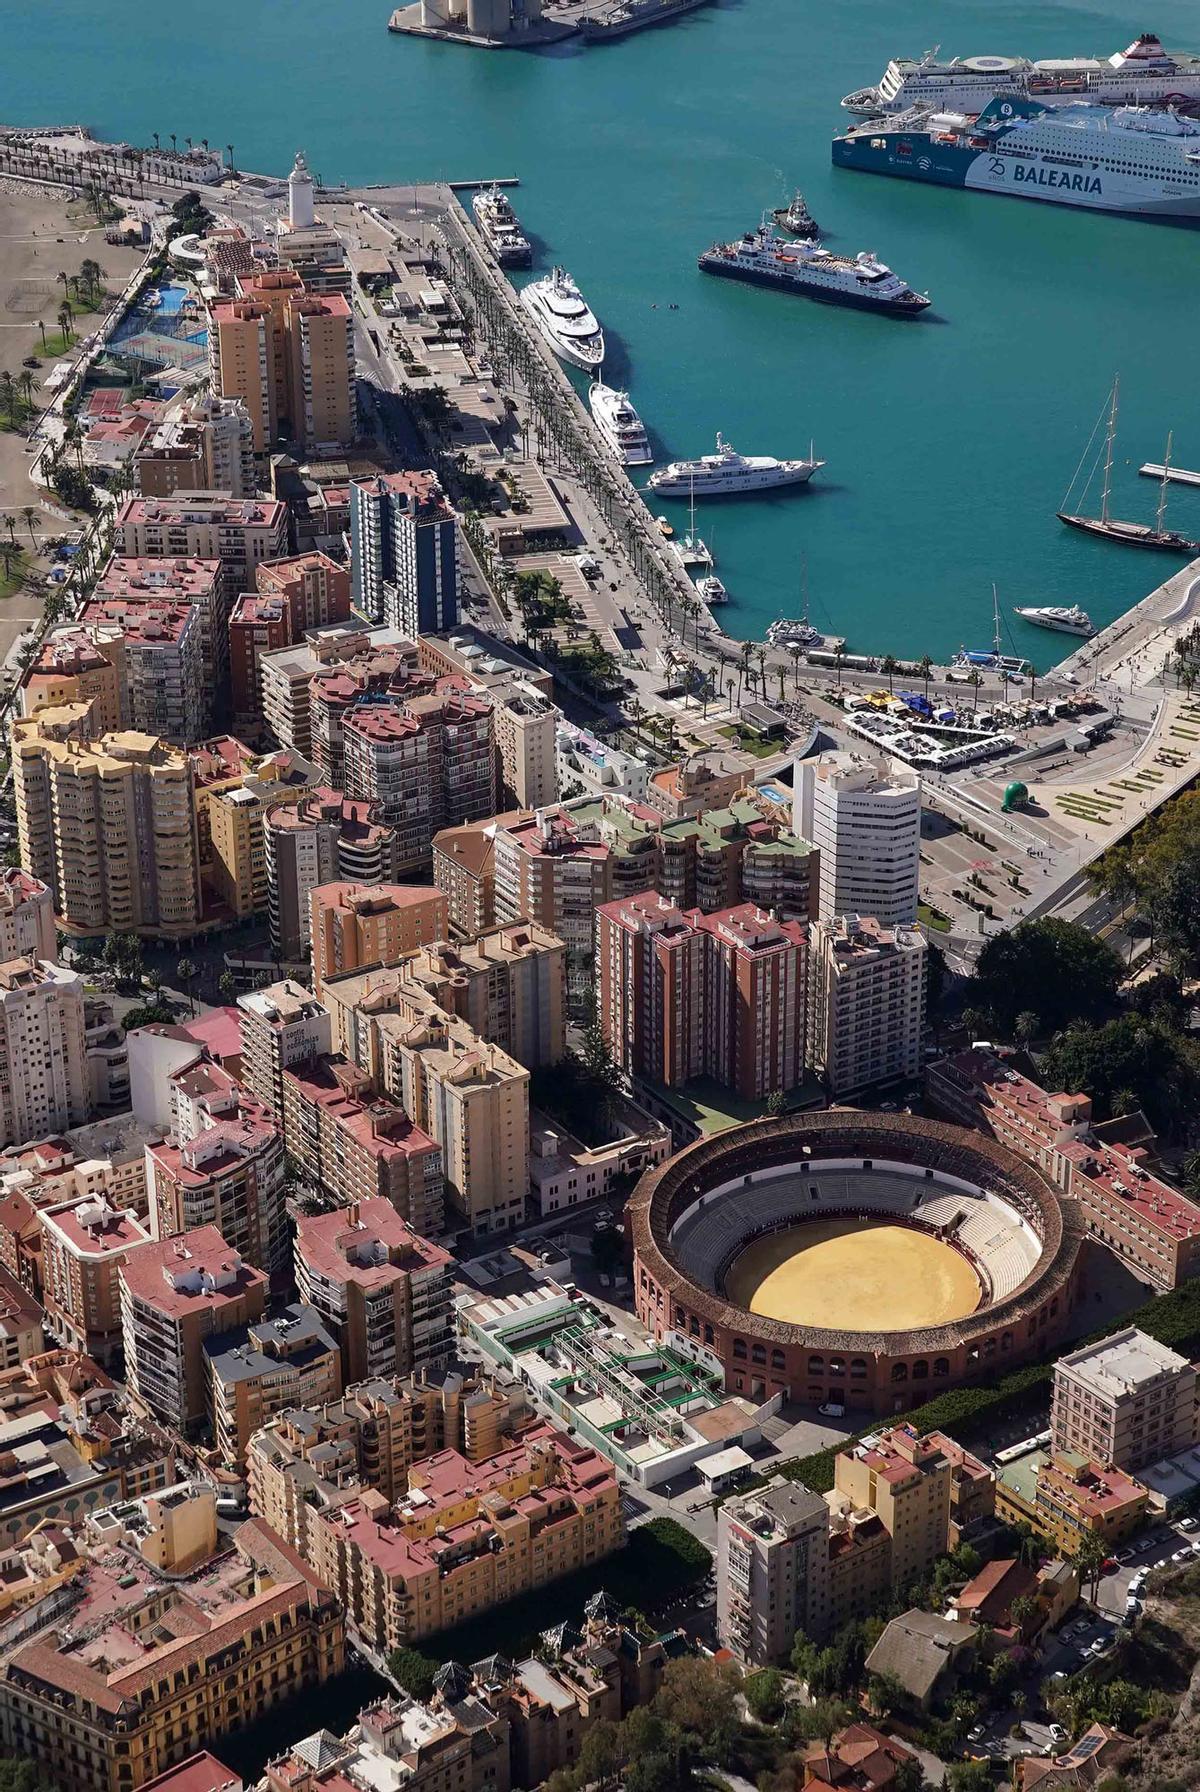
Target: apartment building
pixel 358 1146
pixel 772 1572
pixel 382 1289
pixel 404 551
pixel 1124 1402
pixel 85 1243
pixel 150 1669
pixel 526 725
pixel 468 1536
pixel 399 1745
pixel 905 1480
pixel 73 1443
pixel 79 665
pixel 108 823
pixel 429 764
pixel 210 525
pixel 257 625
pixel 509 985
pixel 1141 1219
pixel 353 926
pixel 464 869
pixel 26 916
pixel 169 583
pixel 386 673
pixel 313 1458
pixel 288 673
pixel 467 1094
pixel 315 589
pixel 263 1368
pixel 167 690
pixel 740 853
pixel 176 1293
pixel 557 869
pixel 206 446
pixel 237 814
pixel 221 1165
pixel 22 1333
pixel 325 838
pixel 288 354
pixel 866 1002
pixel 1066 1498
pixel 687 995
pixel 282 1026
pixel 44 1083
pixel 863 815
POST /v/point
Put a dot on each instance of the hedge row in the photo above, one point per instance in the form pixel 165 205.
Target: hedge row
pixel 1173 1319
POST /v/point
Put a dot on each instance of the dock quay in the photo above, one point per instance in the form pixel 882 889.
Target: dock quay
pixel 1154 469
pixel 524 25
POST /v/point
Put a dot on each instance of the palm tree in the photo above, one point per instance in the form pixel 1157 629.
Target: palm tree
pixel 42 328
pixel 796 653
pixel 975 680
pixel 229 153
pixel 10 523
pixel 186 970
pixel 65 317
pixel 29 517
pixel 925 668
pixel 839 655
pixel 174 143
pixel 889 667
pixel 729 688
pixel 8 395
pixel 28 386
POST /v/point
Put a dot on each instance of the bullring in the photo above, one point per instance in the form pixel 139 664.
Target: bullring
pixel 981 1259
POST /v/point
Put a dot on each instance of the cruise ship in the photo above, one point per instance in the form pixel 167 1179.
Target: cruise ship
pixel 1144 73
pixel 862 281
pixel 1128 159
pixel 727 472
pixel 557 308
pixel 619 424
pixel 501 232
pixel 1067 620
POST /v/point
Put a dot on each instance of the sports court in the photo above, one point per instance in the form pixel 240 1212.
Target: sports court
pixel 853 1275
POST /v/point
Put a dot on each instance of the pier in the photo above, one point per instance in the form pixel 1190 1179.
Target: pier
pixel 1154 469
pixel 522 24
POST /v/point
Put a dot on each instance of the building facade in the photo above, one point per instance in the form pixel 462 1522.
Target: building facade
pixel 864 818
pixel 404 551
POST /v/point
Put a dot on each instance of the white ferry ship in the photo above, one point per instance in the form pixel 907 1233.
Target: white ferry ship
pixel 556 306
pixel 1144 73
pixel 619 424
pixel 726 472
pixel 1126 159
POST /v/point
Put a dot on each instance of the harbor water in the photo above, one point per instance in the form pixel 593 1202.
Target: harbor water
pixel 950 441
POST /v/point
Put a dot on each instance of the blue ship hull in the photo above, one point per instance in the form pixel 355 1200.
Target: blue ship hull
pixel 914 155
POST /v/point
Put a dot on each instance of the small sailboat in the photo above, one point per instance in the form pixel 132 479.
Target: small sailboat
pixel 1136 535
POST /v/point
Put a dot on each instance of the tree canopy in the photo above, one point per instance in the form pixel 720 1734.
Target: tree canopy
pixel 1127 1063
pixel 1052 969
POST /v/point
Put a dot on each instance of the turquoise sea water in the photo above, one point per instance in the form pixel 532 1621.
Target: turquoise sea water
pixel 949 441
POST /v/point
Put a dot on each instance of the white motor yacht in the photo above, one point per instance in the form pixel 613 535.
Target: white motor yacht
pixel 557 308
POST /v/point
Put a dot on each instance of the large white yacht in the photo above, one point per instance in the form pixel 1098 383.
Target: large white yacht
pixel 726 471
pixel 1066 619
pixel 619 424
pixel 556 306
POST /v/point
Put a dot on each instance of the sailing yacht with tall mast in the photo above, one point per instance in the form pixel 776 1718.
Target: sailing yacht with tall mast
pixel 1135 535
pixel 691 551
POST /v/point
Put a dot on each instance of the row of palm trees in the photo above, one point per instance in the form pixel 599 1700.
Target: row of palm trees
pixel 16 395
pixel 126 167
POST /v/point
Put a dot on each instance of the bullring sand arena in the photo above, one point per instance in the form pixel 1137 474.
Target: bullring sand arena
pixel 853 1275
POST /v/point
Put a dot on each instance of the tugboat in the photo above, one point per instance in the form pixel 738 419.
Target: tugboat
pixel 798 220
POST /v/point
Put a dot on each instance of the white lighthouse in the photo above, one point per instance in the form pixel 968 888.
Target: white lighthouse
pixel 301 211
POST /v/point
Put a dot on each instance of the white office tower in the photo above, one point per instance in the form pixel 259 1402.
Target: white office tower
pixel 302 213
pixel 864 817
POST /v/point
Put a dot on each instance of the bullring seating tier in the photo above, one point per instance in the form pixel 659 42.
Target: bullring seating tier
pixel 1002 1246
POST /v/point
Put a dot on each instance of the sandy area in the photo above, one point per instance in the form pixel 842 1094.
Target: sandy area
pixel 40 236
pixel 853 1275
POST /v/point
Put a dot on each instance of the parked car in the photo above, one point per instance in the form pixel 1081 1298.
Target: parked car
pixel 833 1409
pixel 1189 1523
pixel 1057 1733
pixel 1182 1555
